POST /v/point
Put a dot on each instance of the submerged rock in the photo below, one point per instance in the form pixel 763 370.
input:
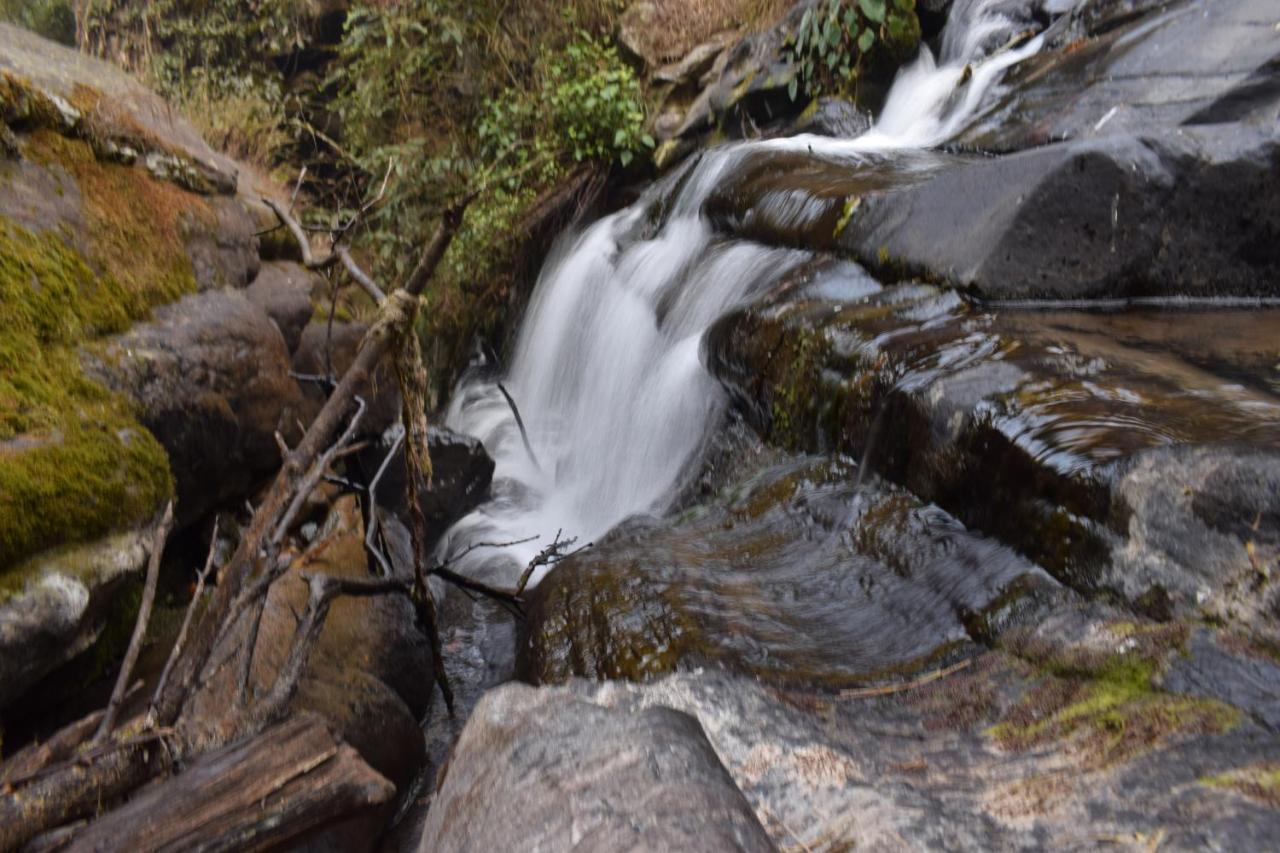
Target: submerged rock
pixel 799 574
pixel 547 770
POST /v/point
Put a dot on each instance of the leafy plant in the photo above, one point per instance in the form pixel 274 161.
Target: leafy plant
pixel 838 39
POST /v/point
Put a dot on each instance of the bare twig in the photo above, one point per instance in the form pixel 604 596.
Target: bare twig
pixel 549 556
pixel 317 472
pixel 371 529
pixel 201 579
pixel 524 435
pixel 159 537
pixel 511 601
pixel 889 689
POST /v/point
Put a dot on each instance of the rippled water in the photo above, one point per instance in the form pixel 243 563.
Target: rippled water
pixel 607 371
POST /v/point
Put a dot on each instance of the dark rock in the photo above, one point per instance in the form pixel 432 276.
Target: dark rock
pixel 1115 217
pixel 223 250
pixel 798 574
pixel 1129 451
pixel 833 117
pixel 1131 67
pixel 1224 667
pixel 328 351
pixel 210 374
pixel 461 472
pixel 284 290
pixel 545 770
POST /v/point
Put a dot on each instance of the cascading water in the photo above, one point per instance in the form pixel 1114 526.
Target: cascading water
pixel 607 371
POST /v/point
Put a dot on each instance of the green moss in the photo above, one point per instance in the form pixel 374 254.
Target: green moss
pixel 1258 781
pixel 74 462
pixel 1109 702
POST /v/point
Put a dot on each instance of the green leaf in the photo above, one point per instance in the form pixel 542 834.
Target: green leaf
pixel 866 40
pixel 793 88
pixel 873 9
pixel 626 158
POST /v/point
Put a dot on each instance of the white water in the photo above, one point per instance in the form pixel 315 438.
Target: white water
pixel 607 372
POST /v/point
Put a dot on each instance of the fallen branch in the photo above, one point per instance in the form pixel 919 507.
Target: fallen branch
pixel 890 689
pixel 554 553
pixel 158 539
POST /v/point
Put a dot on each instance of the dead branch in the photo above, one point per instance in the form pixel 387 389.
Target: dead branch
pixel 201 579
pixel 371 529
pixel 524 435
pixel 554 553
pixel 158 539
pixel 378 339
pixel 890 689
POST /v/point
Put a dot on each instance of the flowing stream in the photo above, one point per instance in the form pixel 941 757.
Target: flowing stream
pixel 607 371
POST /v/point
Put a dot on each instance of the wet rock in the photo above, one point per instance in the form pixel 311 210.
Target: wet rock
pixel 546 770
pixel 1223 666
pixel 1057 749
pixel 833 117
pixel 461 472
pixel 1126 451
pixel 1122 216
pixel 283 290
pixel 53 607
pixel 798 574
pixel 1130 67
pixel 210 374
pixel 328 350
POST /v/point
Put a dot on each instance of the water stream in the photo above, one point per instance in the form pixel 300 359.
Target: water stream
pixel 607 370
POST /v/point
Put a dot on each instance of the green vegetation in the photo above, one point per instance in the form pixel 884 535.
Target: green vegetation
pixel 1258 781
pixel 1108 700
pixel 53 19
pixel 839 40
pixel 76 464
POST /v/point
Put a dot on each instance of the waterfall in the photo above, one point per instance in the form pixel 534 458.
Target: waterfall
pixel 607 371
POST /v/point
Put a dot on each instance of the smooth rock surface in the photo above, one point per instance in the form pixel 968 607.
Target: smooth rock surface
pixel 798 575
pixel 545 770
pixel 211 376
pixel 283 289
pixel 58 606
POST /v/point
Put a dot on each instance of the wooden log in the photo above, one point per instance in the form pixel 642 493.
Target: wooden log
pixel 287 781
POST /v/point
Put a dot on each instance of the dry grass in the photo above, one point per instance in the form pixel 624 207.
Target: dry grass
pixel 680 25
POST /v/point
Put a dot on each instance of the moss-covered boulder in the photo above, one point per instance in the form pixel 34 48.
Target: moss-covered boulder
pixel 112 209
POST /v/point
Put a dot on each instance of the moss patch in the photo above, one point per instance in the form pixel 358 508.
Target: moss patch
pixel 1107 701
pixel 74 462
pixel 1259 782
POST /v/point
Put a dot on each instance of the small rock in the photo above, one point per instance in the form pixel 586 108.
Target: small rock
pixel 284 290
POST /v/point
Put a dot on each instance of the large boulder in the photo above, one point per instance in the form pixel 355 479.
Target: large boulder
pixel 1132 453
pixel 210 374
pixel 284 290
pixel 53 606
pixel 1131 66
pixel 545 770
pixel 1191 213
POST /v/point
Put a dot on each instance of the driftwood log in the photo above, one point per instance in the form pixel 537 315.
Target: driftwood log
pixel 290 779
